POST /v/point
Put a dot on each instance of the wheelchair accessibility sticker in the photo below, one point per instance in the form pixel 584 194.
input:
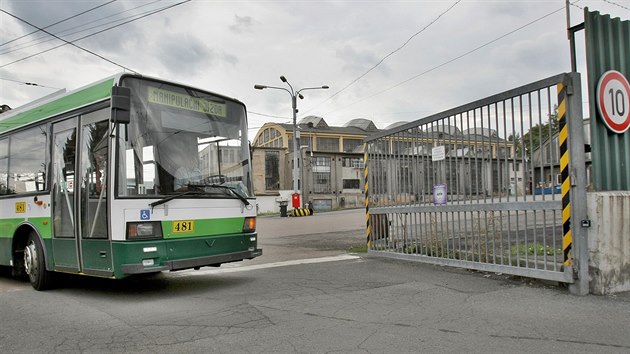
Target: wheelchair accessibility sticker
pixel 145 214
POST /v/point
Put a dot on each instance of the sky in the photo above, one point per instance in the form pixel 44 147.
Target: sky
pixel 386 61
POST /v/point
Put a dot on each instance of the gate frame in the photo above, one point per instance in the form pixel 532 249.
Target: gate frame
pixel 577 173
pixel 575 271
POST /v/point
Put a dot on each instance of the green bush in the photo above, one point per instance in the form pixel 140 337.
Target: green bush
pixel 534 249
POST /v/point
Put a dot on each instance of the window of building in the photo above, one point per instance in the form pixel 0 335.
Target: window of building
pixel 322 161
pixel 355 162
pixel 306 140
pixel 321 182
pixel 328 144
pixel 350 144
pixel 351 184
pixel 272 170
pixel 270 137
pixel 547 154
pixel 321 174
pixel 399 147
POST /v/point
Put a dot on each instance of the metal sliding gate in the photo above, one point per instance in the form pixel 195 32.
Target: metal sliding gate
pixel 483 186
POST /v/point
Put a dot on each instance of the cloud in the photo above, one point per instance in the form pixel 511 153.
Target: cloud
pixel 356 61
pixel 241 24
pixel 227 47
pixel 183 54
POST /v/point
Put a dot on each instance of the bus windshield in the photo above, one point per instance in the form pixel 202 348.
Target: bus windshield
pixel 181 139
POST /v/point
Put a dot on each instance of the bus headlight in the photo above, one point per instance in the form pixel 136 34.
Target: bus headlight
pixel 144 230
pixel 249 225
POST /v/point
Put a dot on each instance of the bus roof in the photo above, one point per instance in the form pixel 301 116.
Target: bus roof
pixel 58 104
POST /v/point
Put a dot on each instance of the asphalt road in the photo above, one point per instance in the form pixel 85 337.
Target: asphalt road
pixel 318 235
pixel 306 294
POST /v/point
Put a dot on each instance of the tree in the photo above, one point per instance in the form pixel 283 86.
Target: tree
pixel 540 133
pixel 515 139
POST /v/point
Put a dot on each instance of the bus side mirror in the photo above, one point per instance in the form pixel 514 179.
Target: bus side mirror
pixel 121 105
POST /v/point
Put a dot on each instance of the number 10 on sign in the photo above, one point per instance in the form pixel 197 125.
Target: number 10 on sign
pixel 613 101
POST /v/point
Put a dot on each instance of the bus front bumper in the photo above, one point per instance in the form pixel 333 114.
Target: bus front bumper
pixel 217 260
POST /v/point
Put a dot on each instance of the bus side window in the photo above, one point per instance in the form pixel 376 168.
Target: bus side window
pixel 27 163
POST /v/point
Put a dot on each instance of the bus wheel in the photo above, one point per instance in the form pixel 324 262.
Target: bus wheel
pixel 35 265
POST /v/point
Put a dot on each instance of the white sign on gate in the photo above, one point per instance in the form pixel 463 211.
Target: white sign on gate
pixel 613 101
pixel 438 153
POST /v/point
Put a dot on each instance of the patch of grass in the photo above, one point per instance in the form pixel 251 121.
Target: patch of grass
pixel 534 248
pixel 359 249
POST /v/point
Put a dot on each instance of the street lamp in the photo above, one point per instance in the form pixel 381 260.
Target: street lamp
pixel 294 95
pixel 302 147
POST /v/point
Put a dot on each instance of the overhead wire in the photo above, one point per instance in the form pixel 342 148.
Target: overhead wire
pixel 66 32
pixel 388 55
pixel 616 4
pixel 90 35
pixel 65 42
pixel 268 115
pixel 58 22
pixel 578 6
pixel 450 60
pixel 29 83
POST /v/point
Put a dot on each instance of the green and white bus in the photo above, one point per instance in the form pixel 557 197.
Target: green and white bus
pixel 128 175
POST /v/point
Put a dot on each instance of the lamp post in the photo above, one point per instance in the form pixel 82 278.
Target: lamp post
pixel 302 165
pixel 294 95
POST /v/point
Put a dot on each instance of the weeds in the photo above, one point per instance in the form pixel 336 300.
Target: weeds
pixel 531 249
pixel 359 249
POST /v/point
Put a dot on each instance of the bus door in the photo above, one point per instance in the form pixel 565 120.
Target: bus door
pixel 65 252
pixel 94 243
pixel 80 163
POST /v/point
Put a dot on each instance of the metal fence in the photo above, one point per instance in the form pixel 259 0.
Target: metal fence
pixel 478 186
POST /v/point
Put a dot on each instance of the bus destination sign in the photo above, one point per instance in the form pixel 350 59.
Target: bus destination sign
pixel 177 100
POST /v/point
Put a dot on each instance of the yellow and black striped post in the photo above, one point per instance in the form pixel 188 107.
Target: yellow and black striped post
pixel 567 238
pixel 300 212
pixel 366 189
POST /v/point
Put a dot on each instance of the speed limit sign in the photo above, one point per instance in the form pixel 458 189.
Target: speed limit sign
pixel 613 101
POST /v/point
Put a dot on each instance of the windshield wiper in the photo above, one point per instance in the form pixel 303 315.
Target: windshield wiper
pixel 230 191
pixel 171 197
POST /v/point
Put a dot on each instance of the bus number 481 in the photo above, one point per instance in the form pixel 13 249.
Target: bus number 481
pixel 183 226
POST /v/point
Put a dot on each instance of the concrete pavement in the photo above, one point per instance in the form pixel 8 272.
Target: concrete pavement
pixel 312 304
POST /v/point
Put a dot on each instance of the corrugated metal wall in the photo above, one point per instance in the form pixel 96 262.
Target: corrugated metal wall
pixel 607 48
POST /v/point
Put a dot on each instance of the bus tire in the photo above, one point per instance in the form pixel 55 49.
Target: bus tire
pixel 35 264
